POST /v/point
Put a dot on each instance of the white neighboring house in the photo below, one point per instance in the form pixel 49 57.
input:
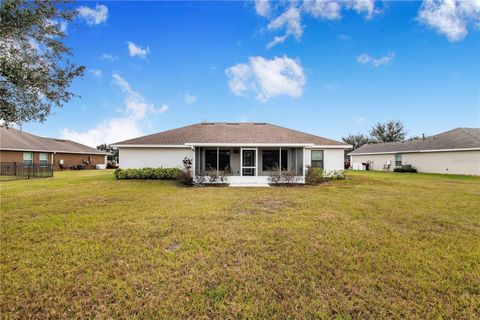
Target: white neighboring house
pixel 452 152
pixel 244 152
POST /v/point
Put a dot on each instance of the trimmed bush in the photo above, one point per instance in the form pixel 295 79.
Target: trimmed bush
pixel 333 174
pixel 314 175
pixel 405 169
pixel 148 173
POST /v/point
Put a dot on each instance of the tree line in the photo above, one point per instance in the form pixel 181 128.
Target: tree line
pixel 390 131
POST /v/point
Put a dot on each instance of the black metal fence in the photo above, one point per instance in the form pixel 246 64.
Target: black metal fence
pixel 19 170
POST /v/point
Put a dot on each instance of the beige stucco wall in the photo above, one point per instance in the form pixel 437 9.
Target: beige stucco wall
pixel 153 157
pixel 453 162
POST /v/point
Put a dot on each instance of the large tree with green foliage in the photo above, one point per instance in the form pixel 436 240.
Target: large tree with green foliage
pixel 356 140
pixel 112 153
pixel 35 70
pixel 390 131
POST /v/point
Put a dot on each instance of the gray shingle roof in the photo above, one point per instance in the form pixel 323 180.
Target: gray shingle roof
pixel 12 139
pixel 459 138
pixel 224 132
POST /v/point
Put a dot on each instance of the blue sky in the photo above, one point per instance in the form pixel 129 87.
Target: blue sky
pixel 335 68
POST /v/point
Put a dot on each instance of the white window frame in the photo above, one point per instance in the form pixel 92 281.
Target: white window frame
pixel 30 161
pixel 43 162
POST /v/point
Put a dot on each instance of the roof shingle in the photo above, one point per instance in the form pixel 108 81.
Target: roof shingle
pixel 226 132
pixel 12 139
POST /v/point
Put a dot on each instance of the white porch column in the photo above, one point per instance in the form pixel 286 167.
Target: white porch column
pixel 218 159
pixel 303 163
pixel 241 162
pixel 256 162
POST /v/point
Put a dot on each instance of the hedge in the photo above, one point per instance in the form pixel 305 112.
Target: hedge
pixel 148 173
pixel 405 169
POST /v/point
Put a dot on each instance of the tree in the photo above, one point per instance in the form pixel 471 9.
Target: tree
pixel 356 140
pixel 35 70
pixel 388 132
pixel 112 153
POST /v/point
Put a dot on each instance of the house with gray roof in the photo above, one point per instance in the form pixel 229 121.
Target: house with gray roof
pixel 22 147
pixel 455 151
pixel 246 153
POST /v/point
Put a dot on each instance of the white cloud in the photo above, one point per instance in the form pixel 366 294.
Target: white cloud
pixel 290 20
pixel 108 57
pixel 94 16
pixel 329 10
pixel 135 50
pixel 96 72
pixel 267 78
pixel 119 128
pixel 450 17
pixel 360 119
pixel 376 62
pixel 262 7
pixel 188 98
pixel 293 11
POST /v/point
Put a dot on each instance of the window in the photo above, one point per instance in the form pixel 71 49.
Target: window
pixel 398 160
pixel 27 158
pixel 43 159
pixel 211 159
pixel 317 159
pixel 270 159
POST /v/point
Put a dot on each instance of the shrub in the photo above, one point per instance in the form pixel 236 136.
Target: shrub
pixel 185 178
pixel 148 173
pixel 333 174
pixel 405 169
pixel 314 175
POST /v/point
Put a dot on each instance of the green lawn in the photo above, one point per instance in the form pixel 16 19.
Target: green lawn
pixel 377 245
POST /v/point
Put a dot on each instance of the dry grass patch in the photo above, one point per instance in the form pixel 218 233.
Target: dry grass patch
pixel 377 245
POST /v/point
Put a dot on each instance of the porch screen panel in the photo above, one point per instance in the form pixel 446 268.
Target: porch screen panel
pixel 210 159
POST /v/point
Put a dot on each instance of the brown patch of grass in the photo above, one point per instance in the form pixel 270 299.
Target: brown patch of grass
pixel 377 245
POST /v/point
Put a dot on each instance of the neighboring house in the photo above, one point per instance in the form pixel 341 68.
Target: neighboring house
pixel 22 147
pixel 456 152
pixel 245 152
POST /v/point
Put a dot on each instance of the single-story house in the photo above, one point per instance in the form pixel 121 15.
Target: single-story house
pixel 21 147
pixel 243 152
pixel 455 152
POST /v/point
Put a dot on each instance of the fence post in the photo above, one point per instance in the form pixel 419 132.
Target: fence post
pixel 28 171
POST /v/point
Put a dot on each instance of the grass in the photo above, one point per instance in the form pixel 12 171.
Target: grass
pixel 377 245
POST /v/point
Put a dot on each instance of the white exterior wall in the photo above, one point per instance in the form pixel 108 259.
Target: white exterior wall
pixel 333 159
pixel 451 162
pixel 455 162
pixel 153 157
pixel 377 160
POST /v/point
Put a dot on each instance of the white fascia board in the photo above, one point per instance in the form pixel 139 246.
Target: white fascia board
pixel 52 151
pixel 150 146
pixel 414 151
pixel 246 144
pixel 330 147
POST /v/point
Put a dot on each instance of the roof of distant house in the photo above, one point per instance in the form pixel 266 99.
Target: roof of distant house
pixel 13 139
pixel 230 132
pixel 459 138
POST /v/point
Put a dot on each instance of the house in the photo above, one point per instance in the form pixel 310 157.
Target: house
pixel 244 152
pixel 455 152
pixel 22 147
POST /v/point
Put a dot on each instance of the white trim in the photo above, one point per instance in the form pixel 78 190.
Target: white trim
pixel 414 151
pixel 321 146
pixel 246 144
pixel 151 146
pixel 243 144
pixel 51 151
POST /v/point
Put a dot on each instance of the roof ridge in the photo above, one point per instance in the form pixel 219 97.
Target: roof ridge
pixel 309 134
